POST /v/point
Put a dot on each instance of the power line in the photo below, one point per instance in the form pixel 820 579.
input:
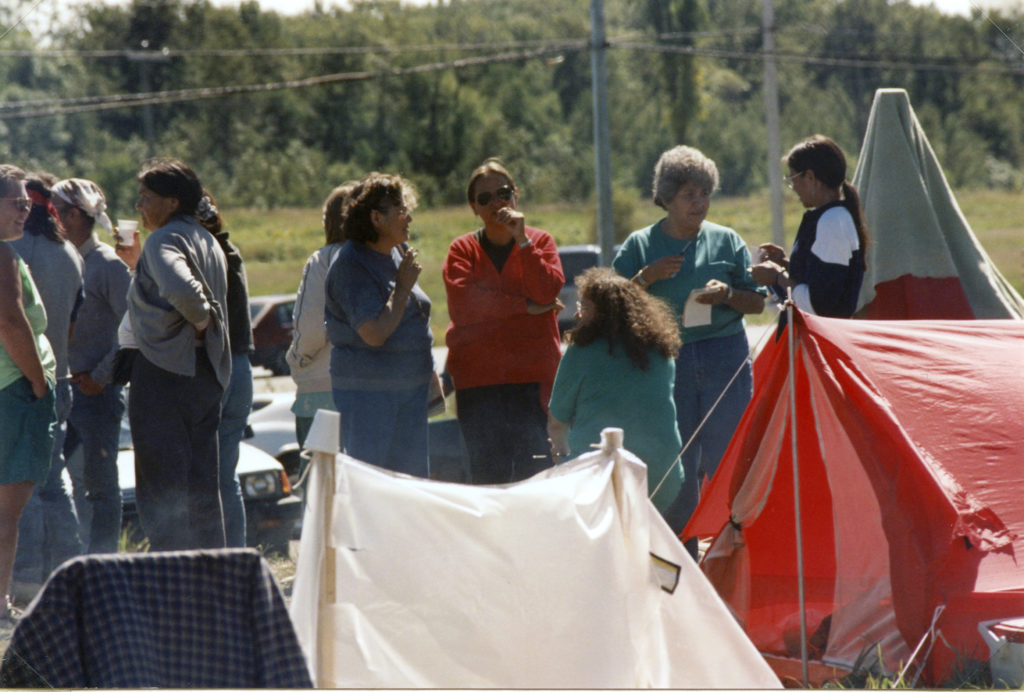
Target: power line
pixel 851 61
pixel 45 107
pixel 307 51
pixel 28 109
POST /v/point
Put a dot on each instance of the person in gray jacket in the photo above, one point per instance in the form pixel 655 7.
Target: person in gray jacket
pixel 309 356
pixel 98 406
pixel 178 316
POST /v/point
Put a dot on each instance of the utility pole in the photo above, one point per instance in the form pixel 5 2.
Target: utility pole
pixel 145 58
pixel 602 158
pixel 771 120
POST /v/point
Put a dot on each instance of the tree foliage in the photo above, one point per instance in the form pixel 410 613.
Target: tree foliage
pixel 680 71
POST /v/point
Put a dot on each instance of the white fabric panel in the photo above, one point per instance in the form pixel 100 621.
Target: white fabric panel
pixel 546 583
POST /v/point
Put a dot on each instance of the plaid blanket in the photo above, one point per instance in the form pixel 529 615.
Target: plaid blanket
pixel 175 619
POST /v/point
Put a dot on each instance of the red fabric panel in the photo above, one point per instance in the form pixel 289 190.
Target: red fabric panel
pixel 932 410
pixel 918 298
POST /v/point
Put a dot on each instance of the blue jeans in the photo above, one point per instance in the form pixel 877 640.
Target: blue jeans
pixel 703 370
pixel 48 529
pixel 234 415
pixel 95 426
pixel 386 429
pixel 505 429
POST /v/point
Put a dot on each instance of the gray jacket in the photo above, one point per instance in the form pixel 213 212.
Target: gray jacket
pixel 180 280
pixel 93 344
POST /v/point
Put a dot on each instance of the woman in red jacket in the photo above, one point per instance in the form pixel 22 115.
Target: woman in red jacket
pixel 503 344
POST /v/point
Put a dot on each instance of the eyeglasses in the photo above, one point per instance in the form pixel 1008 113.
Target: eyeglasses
pixel 790 178
pixel 504 193
pixel 22 203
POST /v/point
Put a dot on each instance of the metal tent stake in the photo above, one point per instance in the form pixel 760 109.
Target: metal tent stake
pixel 790 343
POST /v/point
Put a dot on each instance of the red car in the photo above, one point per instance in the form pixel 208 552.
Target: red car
pixel 271 330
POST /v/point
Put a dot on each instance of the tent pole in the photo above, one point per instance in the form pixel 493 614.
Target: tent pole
pixel 790 343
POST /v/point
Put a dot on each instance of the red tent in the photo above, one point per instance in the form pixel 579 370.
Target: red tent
pixel 910 444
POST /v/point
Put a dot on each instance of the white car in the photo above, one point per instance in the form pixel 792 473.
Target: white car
pixel 271 510
pixel 272 428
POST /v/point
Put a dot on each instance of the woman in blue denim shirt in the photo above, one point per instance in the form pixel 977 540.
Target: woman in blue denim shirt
pixel 684 252
pixel 378 322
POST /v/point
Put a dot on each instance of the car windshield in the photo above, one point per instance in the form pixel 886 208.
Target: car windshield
pixel 575 263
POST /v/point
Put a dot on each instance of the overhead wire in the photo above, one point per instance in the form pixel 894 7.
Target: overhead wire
pixel 38 108
pixel 540 48
pixel 20 20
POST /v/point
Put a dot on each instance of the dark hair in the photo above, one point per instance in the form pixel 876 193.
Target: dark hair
pixel 491 165
pixel 625 315
pixel 208 213
pixel 173 178
pixel 334 211
pixel 40 220
pixel 377 191
pixel 822 155
pixel 9 175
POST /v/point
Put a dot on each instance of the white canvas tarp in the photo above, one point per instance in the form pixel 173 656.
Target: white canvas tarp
pixel 568 579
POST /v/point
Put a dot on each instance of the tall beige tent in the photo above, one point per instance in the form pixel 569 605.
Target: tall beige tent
pixel 924 261
pixel 569 579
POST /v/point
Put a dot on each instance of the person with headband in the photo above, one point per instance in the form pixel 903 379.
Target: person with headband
pixel 826 266
pixel 94 426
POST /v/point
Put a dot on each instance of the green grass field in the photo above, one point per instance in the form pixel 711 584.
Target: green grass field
pixel 275 244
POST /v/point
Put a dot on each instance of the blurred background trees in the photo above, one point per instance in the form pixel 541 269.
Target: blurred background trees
pixel 275 110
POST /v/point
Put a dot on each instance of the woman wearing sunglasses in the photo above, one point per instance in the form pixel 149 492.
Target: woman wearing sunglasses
pixel 671 258
pixel 502 282
pixel 28 371
pixel 826 268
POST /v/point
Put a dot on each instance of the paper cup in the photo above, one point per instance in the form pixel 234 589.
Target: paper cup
pixel 126 231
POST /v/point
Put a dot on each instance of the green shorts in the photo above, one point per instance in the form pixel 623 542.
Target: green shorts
pixel 27 427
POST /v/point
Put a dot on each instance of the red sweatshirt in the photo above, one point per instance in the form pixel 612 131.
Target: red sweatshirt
pixel 491 339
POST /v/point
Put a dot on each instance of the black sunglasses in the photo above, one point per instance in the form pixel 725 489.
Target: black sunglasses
pixel 504 193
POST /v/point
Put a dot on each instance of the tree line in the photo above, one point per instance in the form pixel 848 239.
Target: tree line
pixel 273 110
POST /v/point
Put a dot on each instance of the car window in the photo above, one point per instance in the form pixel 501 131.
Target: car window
pixel 573 264
pixel 254 309
pixel 285 312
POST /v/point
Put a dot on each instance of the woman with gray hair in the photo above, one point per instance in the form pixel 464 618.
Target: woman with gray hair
pixel 680 254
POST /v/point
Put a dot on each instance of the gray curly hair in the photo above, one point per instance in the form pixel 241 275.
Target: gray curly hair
pixel 678 166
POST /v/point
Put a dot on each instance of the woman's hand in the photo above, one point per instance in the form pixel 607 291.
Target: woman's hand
pixel 538 309
pixel 662 268
pixel 515 221
pixel 40 388
pixel 766 273
pixel 558 437
pixel 130 254
pixel 772 253
pixel 408 271
pixel 721 293
pixel 87 385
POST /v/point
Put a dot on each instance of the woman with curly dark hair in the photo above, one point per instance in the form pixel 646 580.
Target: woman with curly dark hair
pixel 378 323
pixel 619 371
